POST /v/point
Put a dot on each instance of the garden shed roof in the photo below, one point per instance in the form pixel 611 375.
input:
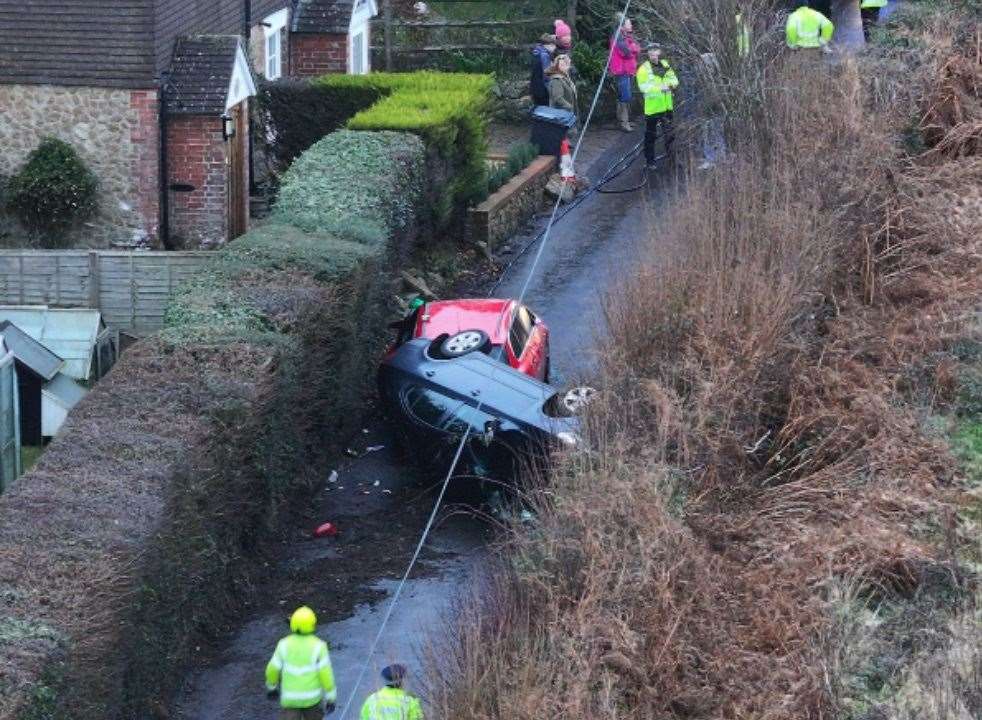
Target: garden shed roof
pixel 30 352
pixel 71 334
pixel 64 391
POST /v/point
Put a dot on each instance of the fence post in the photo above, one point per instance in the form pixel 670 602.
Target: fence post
pixel 387 21
pixel 571 14
pixel 94 280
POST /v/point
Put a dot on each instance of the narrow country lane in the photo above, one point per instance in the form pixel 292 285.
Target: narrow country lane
pixel 380 502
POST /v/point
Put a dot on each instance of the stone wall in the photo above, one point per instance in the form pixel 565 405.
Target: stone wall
pixel 116 134
pixel 312 55
pixel 512 206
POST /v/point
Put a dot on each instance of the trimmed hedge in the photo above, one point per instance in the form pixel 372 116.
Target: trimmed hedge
pixel 299 113
pixel 448 111
pixel 360 185
pixel 129 541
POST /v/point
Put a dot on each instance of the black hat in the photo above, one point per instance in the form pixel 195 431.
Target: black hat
pixel 394 674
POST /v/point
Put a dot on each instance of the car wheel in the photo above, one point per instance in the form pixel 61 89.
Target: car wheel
pixel 464 342
pixel 575 399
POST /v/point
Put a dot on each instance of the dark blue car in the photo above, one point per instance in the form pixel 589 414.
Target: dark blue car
pixel 512 418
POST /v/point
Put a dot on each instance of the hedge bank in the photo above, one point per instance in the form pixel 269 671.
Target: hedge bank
pixel 448 111
pixel 126 545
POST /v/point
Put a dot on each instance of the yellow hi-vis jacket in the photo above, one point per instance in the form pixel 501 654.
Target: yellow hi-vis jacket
pixel 657 86
pixel 867 4
pixel 391 704
pixel 301 667
pixel 808 28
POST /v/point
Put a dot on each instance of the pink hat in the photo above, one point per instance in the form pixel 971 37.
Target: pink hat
pixel 564 36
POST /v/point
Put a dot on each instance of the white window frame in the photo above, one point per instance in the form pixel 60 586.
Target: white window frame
pixel 273 27
pixel 361 14
pixel 358 65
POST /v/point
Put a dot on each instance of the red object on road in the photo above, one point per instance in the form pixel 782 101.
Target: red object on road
pixel 328 529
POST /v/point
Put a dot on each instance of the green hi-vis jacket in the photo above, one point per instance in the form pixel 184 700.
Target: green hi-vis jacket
pixel 808 28
pixel 391 704
pixel 301 667
pixel 657 86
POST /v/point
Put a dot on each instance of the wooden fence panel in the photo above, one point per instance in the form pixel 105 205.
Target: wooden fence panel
pixel 130 288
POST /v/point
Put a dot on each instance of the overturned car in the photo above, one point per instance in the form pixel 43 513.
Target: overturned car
pixel 511 419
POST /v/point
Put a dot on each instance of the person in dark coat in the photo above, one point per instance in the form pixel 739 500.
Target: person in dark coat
pixel 542 55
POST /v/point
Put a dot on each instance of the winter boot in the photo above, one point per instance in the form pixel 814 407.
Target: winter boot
pixel 623 115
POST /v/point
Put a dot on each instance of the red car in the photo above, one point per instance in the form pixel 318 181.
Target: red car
pixel 484 325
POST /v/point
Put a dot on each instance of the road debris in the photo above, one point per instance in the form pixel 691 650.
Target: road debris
pixel 327 529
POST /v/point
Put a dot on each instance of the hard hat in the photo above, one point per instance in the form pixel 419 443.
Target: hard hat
pixel 303 621
pixel 394 674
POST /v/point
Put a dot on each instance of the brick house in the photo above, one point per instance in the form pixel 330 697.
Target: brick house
pixel 154 95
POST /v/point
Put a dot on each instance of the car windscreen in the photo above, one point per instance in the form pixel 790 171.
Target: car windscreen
pixel 445 413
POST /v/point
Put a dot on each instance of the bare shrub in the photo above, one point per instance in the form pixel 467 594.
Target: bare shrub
pixel 761 449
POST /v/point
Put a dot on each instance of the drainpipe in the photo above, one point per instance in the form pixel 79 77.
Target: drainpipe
pixel 163 163
pixel 247 34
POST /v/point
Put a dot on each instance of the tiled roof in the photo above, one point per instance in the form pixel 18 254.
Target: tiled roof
pixel 96 43
pixel 200 74
pixel 322 16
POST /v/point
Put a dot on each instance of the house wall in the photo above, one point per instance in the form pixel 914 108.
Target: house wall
pixel 116 134
pixel 197 156
pixel 314 54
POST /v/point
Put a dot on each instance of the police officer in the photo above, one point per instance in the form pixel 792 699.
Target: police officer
pixel 300 671
pixel 657 81
pixel 870 12
pixel 392 702
pixel 808 28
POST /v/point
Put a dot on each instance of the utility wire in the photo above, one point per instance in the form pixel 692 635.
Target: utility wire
pixel 467 432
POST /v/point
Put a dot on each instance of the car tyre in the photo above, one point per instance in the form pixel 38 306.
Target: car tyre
pixel 464 343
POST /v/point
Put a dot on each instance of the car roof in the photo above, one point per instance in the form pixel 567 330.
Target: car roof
pixel 478 378
pixel 453 316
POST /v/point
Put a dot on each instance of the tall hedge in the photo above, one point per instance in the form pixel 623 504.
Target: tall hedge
pixel 130 540
pixel 448 111
pixel 298 113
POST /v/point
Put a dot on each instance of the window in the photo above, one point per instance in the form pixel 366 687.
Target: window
pixel 358 53
pixel 274 63
pixel 274 27
pixel 445 413
pixel 521 330
pixel 429 407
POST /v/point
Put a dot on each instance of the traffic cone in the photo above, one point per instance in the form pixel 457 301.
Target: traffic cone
pixel 566 171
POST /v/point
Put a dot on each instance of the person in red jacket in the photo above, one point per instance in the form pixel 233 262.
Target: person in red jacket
pixel 624 51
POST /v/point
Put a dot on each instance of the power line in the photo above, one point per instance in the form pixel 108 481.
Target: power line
pixel 467 432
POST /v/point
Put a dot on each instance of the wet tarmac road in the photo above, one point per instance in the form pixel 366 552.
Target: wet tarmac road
pixel 380 504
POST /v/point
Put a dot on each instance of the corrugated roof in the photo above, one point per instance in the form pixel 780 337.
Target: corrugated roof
pixel 65 391
pixel 69 333
pixel 30 352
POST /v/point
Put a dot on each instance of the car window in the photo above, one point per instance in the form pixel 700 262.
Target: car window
pixel 429 406
pixel 521 330
pixel 464 417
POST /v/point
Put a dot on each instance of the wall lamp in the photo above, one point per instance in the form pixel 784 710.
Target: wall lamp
pixel 228 127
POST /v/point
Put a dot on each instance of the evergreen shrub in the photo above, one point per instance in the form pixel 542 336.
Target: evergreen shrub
pixel 53 191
